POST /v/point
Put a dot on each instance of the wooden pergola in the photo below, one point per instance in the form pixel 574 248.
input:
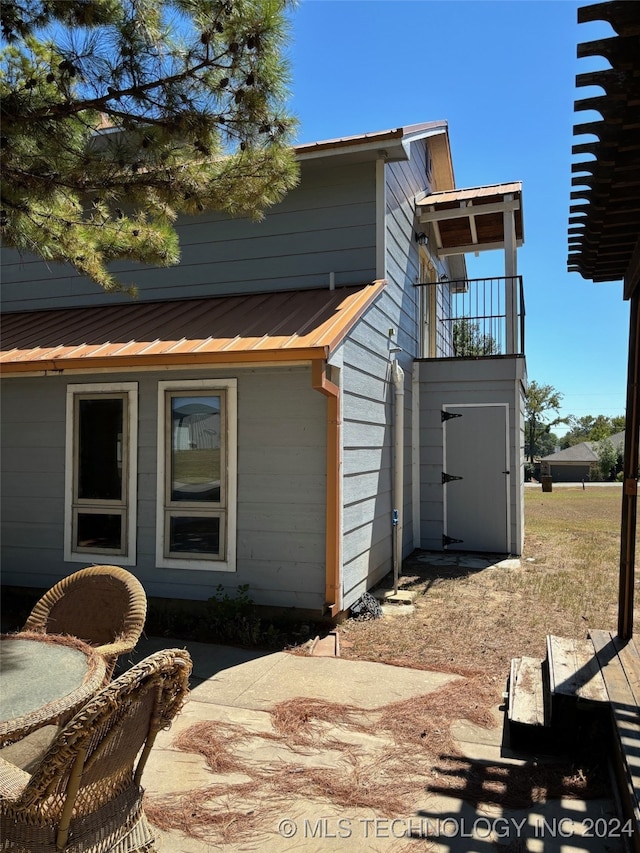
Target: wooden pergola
pixel 604 226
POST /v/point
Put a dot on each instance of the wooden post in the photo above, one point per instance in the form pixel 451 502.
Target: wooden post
pixel 333 535
pixel 630 474
pixel 510 272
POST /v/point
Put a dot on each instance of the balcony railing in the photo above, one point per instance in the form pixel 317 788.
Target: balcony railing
pixel 476 317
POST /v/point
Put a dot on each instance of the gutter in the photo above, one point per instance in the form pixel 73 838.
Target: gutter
pixel 333 538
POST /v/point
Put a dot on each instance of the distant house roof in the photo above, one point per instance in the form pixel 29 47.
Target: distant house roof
pixel 584 453
pixel 578 454
pixel 284 326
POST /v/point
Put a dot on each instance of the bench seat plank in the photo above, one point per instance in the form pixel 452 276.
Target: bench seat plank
pixel 574 670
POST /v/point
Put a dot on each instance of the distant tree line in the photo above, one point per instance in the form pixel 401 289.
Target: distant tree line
pixel 591 428
pixel 542 406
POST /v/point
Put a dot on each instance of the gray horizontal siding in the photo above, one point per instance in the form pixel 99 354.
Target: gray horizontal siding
pixel 368 411
pixel 325 225
pixel 281 487
pixel 367 450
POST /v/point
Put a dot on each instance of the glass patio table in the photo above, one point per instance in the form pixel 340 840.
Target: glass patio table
pixel 44 679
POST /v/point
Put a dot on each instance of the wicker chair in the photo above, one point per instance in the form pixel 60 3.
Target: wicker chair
pixel 103 605
pixel 85 796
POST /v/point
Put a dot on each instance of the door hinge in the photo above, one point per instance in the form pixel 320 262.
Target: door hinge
pixel 449 540
pixel 447 478
pixel 446 416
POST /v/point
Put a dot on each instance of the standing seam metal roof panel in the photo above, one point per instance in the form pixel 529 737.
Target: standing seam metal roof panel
pixel 258 324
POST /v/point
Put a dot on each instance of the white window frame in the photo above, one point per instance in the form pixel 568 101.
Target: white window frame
pixel 71 505
pixel 228 514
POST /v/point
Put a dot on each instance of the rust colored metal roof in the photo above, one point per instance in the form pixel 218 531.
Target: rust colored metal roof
pixel 472 219
pixel 292 326
pixel 471 194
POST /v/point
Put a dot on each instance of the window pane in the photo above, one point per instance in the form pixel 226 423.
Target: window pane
pixel 96 530
pixel 195 448
pixel 195 535
pixel 100 449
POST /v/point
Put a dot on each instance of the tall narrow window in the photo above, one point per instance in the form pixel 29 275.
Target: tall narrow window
pixel 428 306
pixel 196 473
pixel 100 468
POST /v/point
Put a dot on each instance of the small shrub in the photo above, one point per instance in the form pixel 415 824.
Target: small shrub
pixel 231 619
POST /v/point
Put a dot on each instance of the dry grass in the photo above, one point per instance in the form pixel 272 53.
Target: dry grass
pixel 476 621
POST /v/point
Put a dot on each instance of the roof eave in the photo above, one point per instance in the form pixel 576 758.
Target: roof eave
pixel 178 360
pixel 390 144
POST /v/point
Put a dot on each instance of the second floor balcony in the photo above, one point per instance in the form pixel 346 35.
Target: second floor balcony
pixel 471 318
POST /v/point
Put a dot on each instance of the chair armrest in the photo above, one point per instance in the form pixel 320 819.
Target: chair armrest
pixel 119 647
pixel 13 781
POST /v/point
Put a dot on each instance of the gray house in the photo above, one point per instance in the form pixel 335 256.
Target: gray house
pixel 298 405
pixel 579 462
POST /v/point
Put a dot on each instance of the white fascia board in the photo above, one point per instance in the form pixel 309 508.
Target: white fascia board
pixel 408 138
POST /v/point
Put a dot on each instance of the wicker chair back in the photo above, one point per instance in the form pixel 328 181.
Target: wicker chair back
pixel 105 606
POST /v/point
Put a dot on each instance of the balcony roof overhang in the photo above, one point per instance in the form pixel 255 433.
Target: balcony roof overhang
pixel 475 219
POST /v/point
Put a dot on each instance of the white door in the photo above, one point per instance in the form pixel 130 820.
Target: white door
pixel 476 477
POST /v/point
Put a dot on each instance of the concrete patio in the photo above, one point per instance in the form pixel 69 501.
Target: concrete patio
pixel 238 688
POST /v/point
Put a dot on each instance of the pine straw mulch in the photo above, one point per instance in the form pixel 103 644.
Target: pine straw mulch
pixel 415 753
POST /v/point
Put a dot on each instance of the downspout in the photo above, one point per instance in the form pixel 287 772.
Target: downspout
pixel 397 376
pixel 416 490
pixel 333 538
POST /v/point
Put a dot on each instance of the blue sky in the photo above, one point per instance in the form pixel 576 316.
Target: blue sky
pixel 503 75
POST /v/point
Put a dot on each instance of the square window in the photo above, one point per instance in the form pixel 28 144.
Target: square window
pixel 98 531
pixel 194 535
